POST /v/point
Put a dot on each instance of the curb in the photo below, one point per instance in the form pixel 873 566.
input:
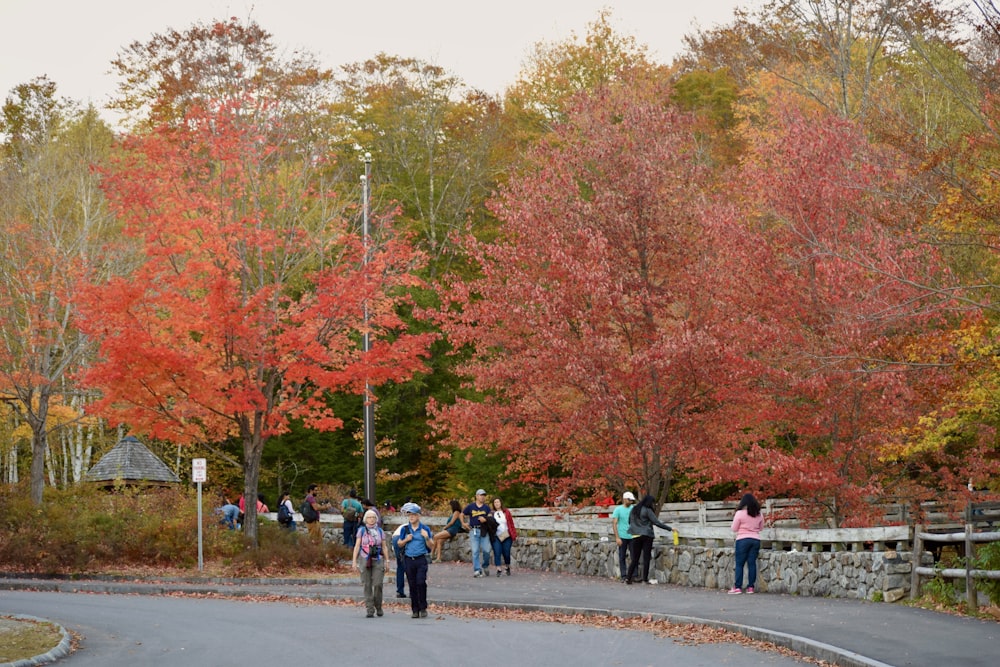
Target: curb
pixel 61 650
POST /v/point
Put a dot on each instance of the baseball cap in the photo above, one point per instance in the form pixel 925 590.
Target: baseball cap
pixel 628 495
pixel 481 491
pixel 411 508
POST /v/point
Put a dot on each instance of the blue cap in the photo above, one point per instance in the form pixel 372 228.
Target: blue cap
pixel 411 508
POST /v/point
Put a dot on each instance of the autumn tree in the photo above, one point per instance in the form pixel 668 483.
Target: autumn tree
pixel 609 351
pixel 248 302
pixel 54 221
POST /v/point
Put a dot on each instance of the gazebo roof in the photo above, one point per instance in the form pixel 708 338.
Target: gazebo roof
pixel 130 461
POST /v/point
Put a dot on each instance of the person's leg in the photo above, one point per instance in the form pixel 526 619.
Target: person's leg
pixel 485 545
pixel 419 589
pixel 411 579
pixel 366 581
pixel 314 533
pixel 400 569
pixel 634 562
pixel 741 551
pixel 647 555
pixel 497 553
pixel 506 546
pixel 378 579
pixel 752 551
pixel 623 549
pixel 474 545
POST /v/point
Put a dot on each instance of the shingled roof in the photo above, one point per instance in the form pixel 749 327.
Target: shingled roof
pixel 130 461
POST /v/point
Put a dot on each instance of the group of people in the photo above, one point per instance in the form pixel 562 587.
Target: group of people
pixel 632 525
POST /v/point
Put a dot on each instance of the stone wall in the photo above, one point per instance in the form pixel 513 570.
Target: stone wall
pixel 869 575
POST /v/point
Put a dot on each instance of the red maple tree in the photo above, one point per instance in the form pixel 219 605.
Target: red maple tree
pixel 247 298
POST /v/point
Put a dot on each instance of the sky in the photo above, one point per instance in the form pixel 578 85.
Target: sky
pixel 484 43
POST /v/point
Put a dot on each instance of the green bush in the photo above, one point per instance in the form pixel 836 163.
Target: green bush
pixel 88 529
pixel 988 558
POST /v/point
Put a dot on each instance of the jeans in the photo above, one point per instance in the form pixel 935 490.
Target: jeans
pixel 350 532
pixel 502 548
pixel 623 550
pixel 479 540
pixel 642 546
pixel 746 554
pixel 400 567
pixel 416 577
pixel 230 516
pixel 371 579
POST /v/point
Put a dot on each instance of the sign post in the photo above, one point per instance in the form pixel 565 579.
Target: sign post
pixel 199 474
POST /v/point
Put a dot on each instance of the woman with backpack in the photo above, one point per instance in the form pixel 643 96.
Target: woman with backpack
pixel 641 520
pixel 286 511
pixel 370 544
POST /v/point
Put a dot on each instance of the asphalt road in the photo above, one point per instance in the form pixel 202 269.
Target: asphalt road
pixel 153 631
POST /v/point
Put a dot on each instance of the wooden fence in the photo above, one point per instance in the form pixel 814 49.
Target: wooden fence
pixel 977 515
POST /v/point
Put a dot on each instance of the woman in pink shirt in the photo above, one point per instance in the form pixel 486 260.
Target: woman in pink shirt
pixel 747 524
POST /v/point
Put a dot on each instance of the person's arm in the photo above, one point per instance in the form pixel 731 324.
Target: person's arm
pixel 614 528
pixel 653 519
pixel 357 548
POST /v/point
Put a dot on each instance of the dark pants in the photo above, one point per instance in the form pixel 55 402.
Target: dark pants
pixel 642 545
pixel 416 577
pixel 746 554
pixel 623 550
pixel 501 549
pixel 400 567
pixel 350 532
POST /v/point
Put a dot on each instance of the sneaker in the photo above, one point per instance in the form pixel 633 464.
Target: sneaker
pixel 479 573
pixel 378 612
pixel 499 572
pixel 370 615
pixel 652 582
pixel 415 614
pixel 734 591
pixel 423 614
pixel 508 572
pixel 750 591
pixel 401 595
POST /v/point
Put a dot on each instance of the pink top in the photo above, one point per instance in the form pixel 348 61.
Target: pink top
pixel 745 525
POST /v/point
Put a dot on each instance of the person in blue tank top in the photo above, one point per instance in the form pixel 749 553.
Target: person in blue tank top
pixel 416 541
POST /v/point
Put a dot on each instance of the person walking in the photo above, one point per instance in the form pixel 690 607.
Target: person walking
pixel 474 520
pixel 747 524
pixel 619 526
pixel 452 528
pixel 370 544
pixel 416 540
pixel 351 510
pixel 505 535
pixel 310 514
pixel 641 520
pixel 286 511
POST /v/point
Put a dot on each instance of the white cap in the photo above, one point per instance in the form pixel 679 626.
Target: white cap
pixel 481 491
pixel 628 495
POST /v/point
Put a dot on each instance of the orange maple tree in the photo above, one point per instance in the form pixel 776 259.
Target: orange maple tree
pixel 249 291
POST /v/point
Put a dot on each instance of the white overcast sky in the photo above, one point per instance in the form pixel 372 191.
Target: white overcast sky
pixel 484 43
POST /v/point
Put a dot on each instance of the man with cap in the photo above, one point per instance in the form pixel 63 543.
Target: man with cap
pixel 474 520
pixel 415 542
pixel 619 526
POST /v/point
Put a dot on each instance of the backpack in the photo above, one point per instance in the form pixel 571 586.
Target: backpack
pixel 309 515
pixel 284 516
pixel 350 512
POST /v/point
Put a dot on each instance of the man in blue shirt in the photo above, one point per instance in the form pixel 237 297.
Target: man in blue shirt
pixel 415 541
pixel 619 525
pixel 474 520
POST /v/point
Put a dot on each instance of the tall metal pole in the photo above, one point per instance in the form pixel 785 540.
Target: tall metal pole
pixel 369 407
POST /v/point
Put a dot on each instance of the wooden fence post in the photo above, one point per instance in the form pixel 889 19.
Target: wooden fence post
pixel 915 560
pixel 970 563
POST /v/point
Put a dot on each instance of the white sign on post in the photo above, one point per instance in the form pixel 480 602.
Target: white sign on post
pixel 199 470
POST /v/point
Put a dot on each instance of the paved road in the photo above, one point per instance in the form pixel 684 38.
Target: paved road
pixel 843 631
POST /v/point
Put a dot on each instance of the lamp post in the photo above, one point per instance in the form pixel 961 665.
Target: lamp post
pixel 369 407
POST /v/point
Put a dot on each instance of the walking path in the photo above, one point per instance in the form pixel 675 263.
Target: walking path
pixel 843 632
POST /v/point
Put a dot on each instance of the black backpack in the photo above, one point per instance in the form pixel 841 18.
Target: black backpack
pixel 309 515
pixel 284 516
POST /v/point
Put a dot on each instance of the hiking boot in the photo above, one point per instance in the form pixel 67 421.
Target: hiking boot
pixel 378 612
pixel 423 614
pixel 415 614
pixel 734 591
pixel 370 614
